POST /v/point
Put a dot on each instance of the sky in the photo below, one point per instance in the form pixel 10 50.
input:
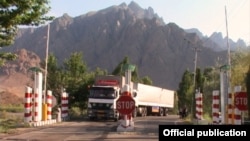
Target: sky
pixel 230 17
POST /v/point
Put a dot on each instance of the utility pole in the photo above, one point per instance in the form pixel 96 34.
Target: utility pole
pixel 46 63
pixel 227 79
pixel 196 50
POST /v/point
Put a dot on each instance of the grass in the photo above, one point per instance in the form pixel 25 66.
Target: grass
pixel 206 120
pixel 11 117
pixel 12 108
pixel 76 113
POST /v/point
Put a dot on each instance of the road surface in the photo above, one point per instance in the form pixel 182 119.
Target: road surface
pixel 146 129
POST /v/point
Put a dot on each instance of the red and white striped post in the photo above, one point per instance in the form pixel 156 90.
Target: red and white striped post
pixel 237 112
pixel 230 109
pixel 216 106
pixel 199 111
pixel 64 101
pixel 49 105
pixel 36 107
pixel 27 105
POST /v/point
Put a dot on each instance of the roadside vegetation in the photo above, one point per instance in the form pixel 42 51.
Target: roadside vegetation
pixel 208 80
pixel 11 117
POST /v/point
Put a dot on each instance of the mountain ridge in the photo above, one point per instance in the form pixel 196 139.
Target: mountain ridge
pixel 105 37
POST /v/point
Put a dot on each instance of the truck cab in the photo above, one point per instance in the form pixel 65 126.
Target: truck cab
pixel 102 102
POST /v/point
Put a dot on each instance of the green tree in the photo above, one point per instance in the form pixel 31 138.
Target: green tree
pixel 211 83
pixel 248 90
pixel 75 70
pixel 135 77
pixel 199 80
pixel 118 70
pixel 240 63
pixel 73 77
pixel 19 12
pixel 55 77
pixel 185 90
pixel 146 80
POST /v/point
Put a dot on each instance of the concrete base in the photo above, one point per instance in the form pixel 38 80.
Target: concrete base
pixel 121 128
pixel 126 126
pixel 200 122
pixel 42 123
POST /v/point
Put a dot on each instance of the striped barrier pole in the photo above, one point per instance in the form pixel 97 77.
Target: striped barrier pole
pixel 230 109
pixel 36 108
pixel 215 106
pixel 27 105
pixel 198 98
pixel 49 105
pixel 64 106
pixel 237 112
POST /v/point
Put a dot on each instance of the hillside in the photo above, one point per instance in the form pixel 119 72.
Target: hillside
pixel 15 76
pixel 11 90
pixel 105 37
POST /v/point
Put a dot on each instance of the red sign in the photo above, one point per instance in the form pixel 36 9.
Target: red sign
pixel 107 82
pixel 125 104
pixel 240 100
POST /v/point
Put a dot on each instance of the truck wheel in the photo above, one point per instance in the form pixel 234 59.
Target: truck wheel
pixel 134 113
pixel 145 112
pixel 161 112
pixel 165 112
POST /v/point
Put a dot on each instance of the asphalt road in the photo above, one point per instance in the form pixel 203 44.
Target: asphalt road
pixel 145 129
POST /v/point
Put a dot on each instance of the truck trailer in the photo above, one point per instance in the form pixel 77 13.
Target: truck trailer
pixel 149 100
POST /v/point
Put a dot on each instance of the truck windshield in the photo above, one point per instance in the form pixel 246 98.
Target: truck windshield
pixel 106 93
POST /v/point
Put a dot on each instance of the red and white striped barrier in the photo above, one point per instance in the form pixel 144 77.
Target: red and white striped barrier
pixel 33 104
pixel 36 108
pixel 49 105
pixel 27 105
pixel 64 106
pixel 199 111
pixel 215 106
pixel 237 112
pixel 230 109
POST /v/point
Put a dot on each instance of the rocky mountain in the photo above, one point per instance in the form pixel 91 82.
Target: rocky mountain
pixel 16 75
pixel 219 40
pixel 159 50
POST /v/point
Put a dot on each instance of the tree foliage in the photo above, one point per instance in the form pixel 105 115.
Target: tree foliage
pixel 55 77
pixel 135 77
pixel 75 70
pixel 73 76
pixel 240 63
pixel 146 80
pixel 209 80
pixel 248 90
pixel 185 90
pixel 19 12
pixel 199 80
pixel 206 81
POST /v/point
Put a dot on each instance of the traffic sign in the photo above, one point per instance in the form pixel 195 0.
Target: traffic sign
pixel 240 100
pixel 125 104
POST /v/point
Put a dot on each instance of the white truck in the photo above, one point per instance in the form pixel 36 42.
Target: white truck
pixel 149 100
